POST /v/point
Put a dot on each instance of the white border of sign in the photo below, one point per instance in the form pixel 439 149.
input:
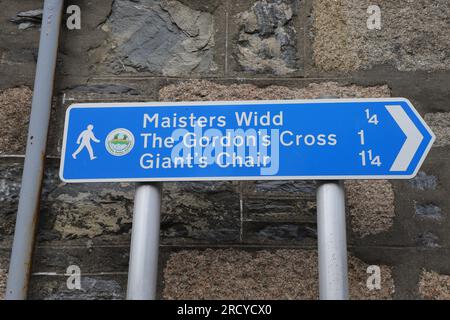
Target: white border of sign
pixel 242 103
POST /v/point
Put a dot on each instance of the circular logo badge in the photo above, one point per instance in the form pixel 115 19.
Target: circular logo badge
pixel 119 142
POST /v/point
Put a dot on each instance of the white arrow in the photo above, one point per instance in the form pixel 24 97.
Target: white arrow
pixel 413 138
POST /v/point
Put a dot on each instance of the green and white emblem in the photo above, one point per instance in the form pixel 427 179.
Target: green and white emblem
pixel 119 142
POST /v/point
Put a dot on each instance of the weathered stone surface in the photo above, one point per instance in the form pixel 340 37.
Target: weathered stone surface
pixel 3 277
pixel 273 187
pixel 108 89
pixel 371 206
pixel 284 209
pixel 92 257
pixel 282 201
pixel 279 274
pixel 440 125
pixel 200 211
pixel 93 287
pixel 267 42
pixel 279 232
pixel 202 90
pixel 413 35
pixel 164 37
pixel 203 211
pixel 428 239
pixel 84 210
pixel 434 286
pixel 9 195
pixel 67 210
pixel 18 48
pixel 90 211
pixel 15 106
pixel 28 19
pixel 428 211
pixel 190 211
pixel 423 182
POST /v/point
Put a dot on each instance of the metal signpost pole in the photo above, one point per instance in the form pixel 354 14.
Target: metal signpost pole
pixel 332 242
pixel 143 269
pixel 332 239
pixel 30 192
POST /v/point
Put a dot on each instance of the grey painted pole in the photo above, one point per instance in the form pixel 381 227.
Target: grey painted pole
pixel 28 211
pixel 332 241
pixel 143 269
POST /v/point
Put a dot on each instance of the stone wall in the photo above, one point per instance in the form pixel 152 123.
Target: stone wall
pixel 232 239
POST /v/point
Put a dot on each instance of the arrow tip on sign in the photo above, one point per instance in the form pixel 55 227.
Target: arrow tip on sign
pixel 414 137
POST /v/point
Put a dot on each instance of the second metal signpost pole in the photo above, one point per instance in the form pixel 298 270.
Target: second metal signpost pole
pixel 143 269
pixel 332 241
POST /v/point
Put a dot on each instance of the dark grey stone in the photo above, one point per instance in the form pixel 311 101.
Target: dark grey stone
pixel 165 37
pixel 428 210
pixel 266 42
pixel 299 186
pixel 428 239
pixel 287 209
pixel 423 182
pixel 105 89
pixel 200 212
pixel 31 17
pixel 9 196
pixel 91 258
pixel 92 288
pixel 279 233
pixel 287 232
pixel 67 210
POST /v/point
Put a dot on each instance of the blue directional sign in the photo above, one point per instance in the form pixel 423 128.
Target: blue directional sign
pixel 244 140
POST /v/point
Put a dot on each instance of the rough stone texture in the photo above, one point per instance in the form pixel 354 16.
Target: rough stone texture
pixel 428 211
pixel 92 289
pixel 67 211
pixel 84 210
pixel 200 211
pixel 423 182
pixel 3 277
pixel 28 19
pixel 108 89
pixel 413 35
pixel 280 188
pixel 428 239
pixel 80 212
pixel 284 209
pixel 267 37
pixel 238 274
pixel 9 196
pixel 164 37
pixel 18 48
pixel 440 125
pixel 371 206
pixel 203 90
pixel 272 232
pixel 433 285
pixel 191 211
pixel 95 287
pixel 15 106
pixel 279 201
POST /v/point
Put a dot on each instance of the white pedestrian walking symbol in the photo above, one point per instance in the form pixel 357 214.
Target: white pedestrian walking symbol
pixel 84 140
